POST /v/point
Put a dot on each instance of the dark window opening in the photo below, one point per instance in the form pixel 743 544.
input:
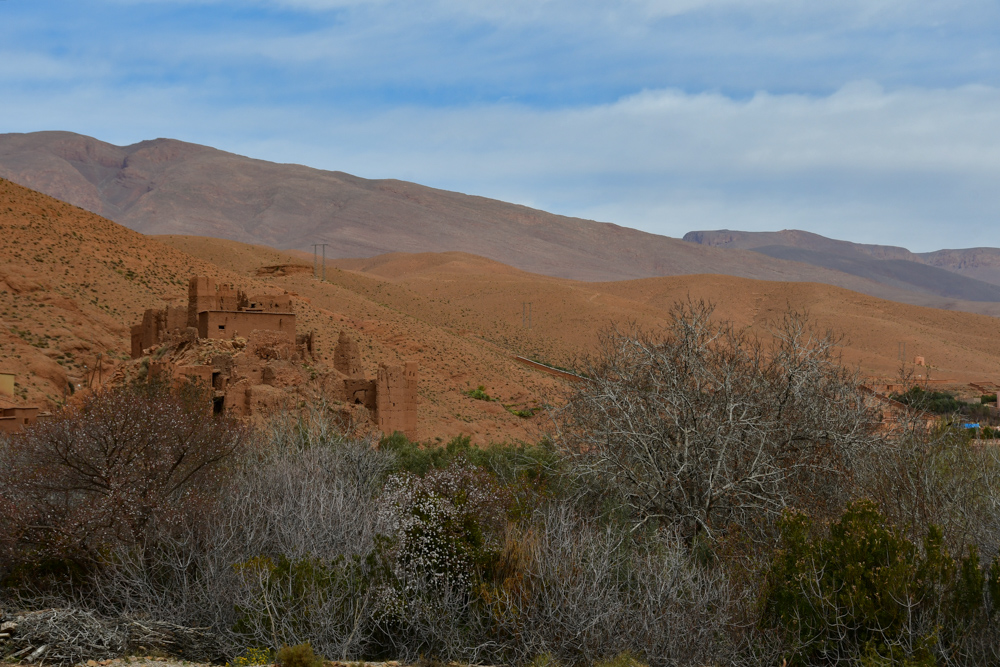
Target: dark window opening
pixel 217 404
pixel 222 327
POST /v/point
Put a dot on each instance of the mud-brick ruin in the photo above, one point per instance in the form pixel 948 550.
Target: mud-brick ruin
pixel 247 350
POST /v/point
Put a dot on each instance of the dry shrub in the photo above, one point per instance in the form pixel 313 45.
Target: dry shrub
pixel 284 557
pixel 102 476
pixel 584 593
pixel 703 426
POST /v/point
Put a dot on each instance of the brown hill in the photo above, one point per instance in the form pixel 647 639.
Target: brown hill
pixel 567 315
pixel 932 273
pixel 480 299
pixel 73 282
pixel 171 187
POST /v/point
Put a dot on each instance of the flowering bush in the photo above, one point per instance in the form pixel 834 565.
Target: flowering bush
pixel 446 525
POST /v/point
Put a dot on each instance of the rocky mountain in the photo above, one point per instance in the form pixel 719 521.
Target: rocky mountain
pixel 165 186
pixel 972 273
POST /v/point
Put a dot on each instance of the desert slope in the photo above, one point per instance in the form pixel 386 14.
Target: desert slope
pixel 479 299
pixel 73 282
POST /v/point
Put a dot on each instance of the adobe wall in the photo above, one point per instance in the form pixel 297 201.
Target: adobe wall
pixel 346 357
pixel 396 399
pixel 358 391
pixel 154 325
pixel 270 303
pixel 13 420
pixel 6 384
pixel 228 297
pixel 201 296
pixel 220 324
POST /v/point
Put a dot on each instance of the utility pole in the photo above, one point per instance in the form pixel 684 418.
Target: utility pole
pixel 321 245
pixel 525 314
pixel 901 350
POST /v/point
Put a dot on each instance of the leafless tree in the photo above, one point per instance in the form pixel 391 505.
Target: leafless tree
pixel 98 477
pixel 703 425
pixel 281 560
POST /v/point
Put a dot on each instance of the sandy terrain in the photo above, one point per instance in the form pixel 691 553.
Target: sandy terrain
pixel 72 282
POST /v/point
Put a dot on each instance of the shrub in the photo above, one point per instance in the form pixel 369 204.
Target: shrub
pixel 447 525
pixel 130 462
pixel 865 591
pixel 300 655
pixel 252 656
pixel 479 393
pixel 287 555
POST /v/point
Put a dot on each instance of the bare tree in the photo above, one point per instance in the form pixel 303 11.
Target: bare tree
pixel 704 424
pixel 99 476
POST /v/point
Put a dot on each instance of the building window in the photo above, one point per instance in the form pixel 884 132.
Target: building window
pixel 222 327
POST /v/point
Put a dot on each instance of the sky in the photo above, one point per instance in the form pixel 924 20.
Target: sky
pixel 876 121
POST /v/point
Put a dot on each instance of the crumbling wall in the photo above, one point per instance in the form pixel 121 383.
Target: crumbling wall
pixel 359 391
pixel 201 296
pixel 220 324
pixel 270 303
pixel 228 297
pixel 396 399
pixel 346 357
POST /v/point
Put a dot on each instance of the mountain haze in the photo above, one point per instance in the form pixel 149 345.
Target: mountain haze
pixel 926 272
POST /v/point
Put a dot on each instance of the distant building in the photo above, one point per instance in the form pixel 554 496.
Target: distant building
pixel 267 370
pixel 13 415
pixel 215 312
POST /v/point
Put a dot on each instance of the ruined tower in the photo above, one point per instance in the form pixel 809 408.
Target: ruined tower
pixel 346 358
pixel 396 399
pixel 201 296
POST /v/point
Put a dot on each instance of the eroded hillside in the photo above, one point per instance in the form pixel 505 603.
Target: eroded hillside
pixel 73 282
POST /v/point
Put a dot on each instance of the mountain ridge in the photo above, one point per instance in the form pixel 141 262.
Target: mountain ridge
pixel 165 186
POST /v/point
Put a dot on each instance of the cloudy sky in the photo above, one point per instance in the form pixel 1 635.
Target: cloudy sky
pixel 870 120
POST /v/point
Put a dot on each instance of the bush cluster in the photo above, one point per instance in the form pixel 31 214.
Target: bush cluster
pixel 713 499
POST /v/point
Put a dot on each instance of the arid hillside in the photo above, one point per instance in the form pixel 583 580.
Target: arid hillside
pixel 567 315
pixel 172 187
pixel 970 273
pixel 482 299
pixel 72 283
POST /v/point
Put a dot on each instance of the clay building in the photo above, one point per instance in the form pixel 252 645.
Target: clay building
pixel 6 384
pixel 245 350
pixel 217 312
pixel 13 416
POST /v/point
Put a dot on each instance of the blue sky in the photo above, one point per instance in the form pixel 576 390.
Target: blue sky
pixel 871 120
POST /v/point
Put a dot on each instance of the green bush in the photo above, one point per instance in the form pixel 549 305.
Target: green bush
pixel 300 655
pixel 865 592
pixel 479 393
pixel 509 462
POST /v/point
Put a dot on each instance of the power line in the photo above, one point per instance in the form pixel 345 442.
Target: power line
pixel 320 245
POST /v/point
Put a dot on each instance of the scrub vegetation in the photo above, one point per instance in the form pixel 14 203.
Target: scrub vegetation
pixel 706 497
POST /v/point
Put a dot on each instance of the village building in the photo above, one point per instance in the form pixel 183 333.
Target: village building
pixel 13 416
pixel 247 352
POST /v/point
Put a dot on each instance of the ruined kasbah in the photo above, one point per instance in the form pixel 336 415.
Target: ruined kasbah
pixel 246 349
